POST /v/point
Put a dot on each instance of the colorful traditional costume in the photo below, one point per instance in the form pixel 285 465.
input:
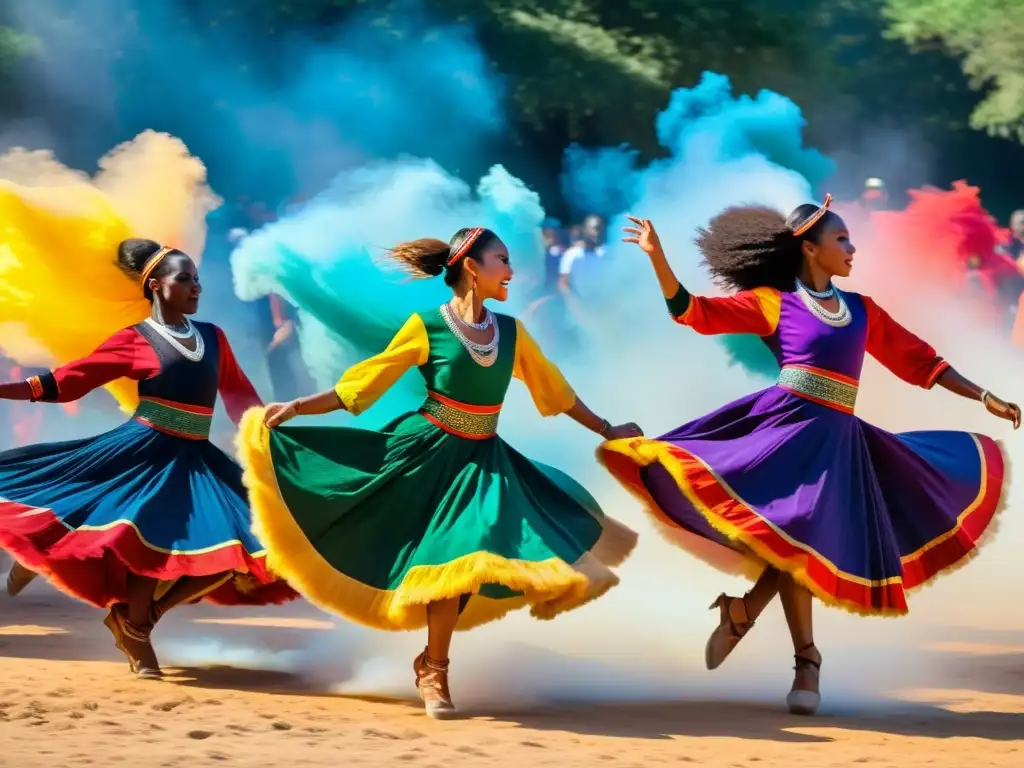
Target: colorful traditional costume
pixel 375 525
pixel 790 477
pixel 152 497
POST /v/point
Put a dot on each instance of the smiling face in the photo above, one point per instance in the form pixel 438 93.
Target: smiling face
pixel 491 270
pixel 177 288
pixel 832 252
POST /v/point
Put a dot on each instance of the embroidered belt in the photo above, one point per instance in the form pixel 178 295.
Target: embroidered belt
pixel 824 387
pixel 474 422
pixel 189 421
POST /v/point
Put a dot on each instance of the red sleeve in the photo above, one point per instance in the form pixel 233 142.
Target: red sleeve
pixel 754 311
pixel 125 355
pixel 907 356
pixel 237 392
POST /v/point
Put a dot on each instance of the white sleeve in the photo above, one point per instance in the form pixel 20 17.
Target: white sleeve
pixel 570 255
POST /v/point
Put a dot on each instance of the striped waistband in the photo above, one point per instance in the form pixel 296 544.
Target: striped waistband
pixel 821 386
pixel 473 422
pixel 189 421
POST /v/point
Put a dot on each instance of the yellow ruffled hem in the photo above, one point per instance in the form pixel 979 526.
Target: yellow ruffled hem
pixel 551 587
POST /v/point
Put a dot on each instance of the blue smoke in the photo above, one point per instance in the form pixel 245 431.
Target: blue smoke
pixel 325 258
pixel 271 115
pixel 722 150
pixel 705 124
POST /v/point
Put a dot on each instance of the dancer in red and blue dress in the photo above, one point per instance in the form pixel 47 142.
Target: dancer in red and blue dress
pixel 787 484
pixel 151 514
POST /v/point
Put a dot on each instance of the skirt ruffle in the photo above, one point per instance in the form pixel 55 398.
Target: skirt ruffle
pixel 374 526
pixel 857 515
pixel 86 513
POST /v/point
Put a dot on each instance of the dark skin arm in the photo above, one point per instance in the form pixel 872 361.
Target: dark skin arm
pixel 328 401
pixel 311 405
pixel 16 390
pixel 958 385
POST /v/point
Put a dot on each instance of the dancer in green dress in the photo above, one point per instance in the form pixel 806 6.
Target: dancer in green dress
pixel 434 520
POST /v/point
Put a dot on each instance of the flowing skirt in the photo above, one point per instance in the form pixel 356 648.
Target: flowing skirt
pixel 374 525
pixel 856 514
pixel 86 513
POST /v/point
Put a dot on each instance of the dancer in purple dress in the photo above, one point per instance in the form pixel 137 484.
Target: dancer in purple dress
pixel 787 485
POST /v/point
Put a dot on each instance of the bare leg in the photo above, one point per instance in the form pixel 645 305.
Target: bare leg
pixel 737 615
pixel 19 578
pixel 131 626
pixel 805 696
pixel 185 590
pixel 431 666
pixel 441 620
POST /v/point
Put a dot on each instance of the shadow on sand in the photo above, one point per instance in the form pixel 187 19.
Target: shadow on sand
pixel 42 625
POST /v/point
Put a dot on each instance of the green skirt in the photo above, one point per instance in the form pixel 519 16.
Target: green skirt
pixel 375 525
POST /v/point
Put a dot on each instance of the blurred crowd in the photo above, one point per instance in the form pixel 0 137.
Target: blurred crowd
pixel 574 259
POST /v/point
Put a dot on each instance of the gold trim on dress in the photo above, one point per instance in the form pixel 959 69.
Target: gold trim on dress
pixel 824 387
pixel 476 422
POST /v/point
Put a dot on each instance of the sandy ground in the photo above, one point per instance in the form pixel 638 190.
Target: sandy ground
pixel 66 698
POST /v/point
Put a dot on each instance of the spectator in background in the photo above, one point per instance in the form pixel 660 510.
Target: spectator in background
pixel 289 376
pixel 554 246
pixel 580 265
pixel 1015 247
pixel 575 234
pixel 277 323
pixel 874 197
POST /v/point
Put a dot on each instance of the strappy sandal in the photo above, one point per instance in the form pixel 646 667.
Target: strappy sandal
pixel 18 578
pixel 727 634
pixel 805 702
pixel 432 683
pixel 121 628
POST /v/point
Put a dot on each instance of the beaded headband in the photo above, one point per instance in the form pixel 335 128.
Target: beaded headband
pixel 814 218
pixel 153 262
pixel 465 245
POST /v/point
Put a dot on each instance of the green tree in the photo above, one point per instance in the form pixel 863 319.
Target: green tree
pixel 989 37
pixel 15 47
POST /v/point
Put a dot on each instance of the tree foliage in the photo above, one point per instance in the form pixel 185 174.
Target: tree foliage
pixel 989 37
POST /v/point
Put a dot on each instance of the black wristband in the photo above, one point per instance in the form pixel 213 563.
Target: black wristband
pixel 679 303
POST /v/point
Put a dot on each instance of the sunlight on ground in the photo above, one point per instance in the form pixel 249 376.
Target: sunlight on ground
pixel 977 649
pixel 962 700
pixel 30 630
pixel 270 622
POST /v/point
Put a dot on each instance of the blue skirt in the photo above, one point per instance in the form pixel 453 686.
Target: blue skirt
pixel 86 513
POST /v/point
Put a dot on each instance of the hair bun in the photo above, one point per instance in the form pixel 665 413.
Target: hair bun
pixel 436 268
pixel 132 254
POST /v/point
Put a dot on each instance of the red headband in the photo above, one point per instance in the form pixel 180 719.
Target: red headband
pixel 465 245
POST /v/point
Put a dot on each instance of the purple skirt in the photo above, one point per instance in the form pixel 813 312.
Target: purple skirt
pixel 856 514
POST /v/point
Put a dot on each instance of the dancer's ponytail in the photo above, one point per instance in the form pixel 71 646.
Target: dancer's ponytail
pixel 430 257
pixel 422 258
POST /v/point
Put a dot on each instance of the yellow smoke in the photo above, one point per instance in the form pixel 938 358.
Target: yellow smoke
pixel 61 291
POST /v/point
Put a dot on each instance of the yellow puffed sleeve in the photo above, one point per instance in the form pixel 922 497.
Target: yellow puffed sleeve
pixel 364 383
pixel 550 391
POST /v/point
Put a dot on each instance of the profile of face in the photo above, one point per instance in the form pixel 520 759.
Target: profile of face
pixel 833 251
pixel 1017 225
pixel 491 270
pixel 177 288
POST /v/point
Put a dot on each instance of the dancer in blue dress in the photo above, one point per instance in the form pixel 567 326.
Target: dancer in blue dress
pixel 151 514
